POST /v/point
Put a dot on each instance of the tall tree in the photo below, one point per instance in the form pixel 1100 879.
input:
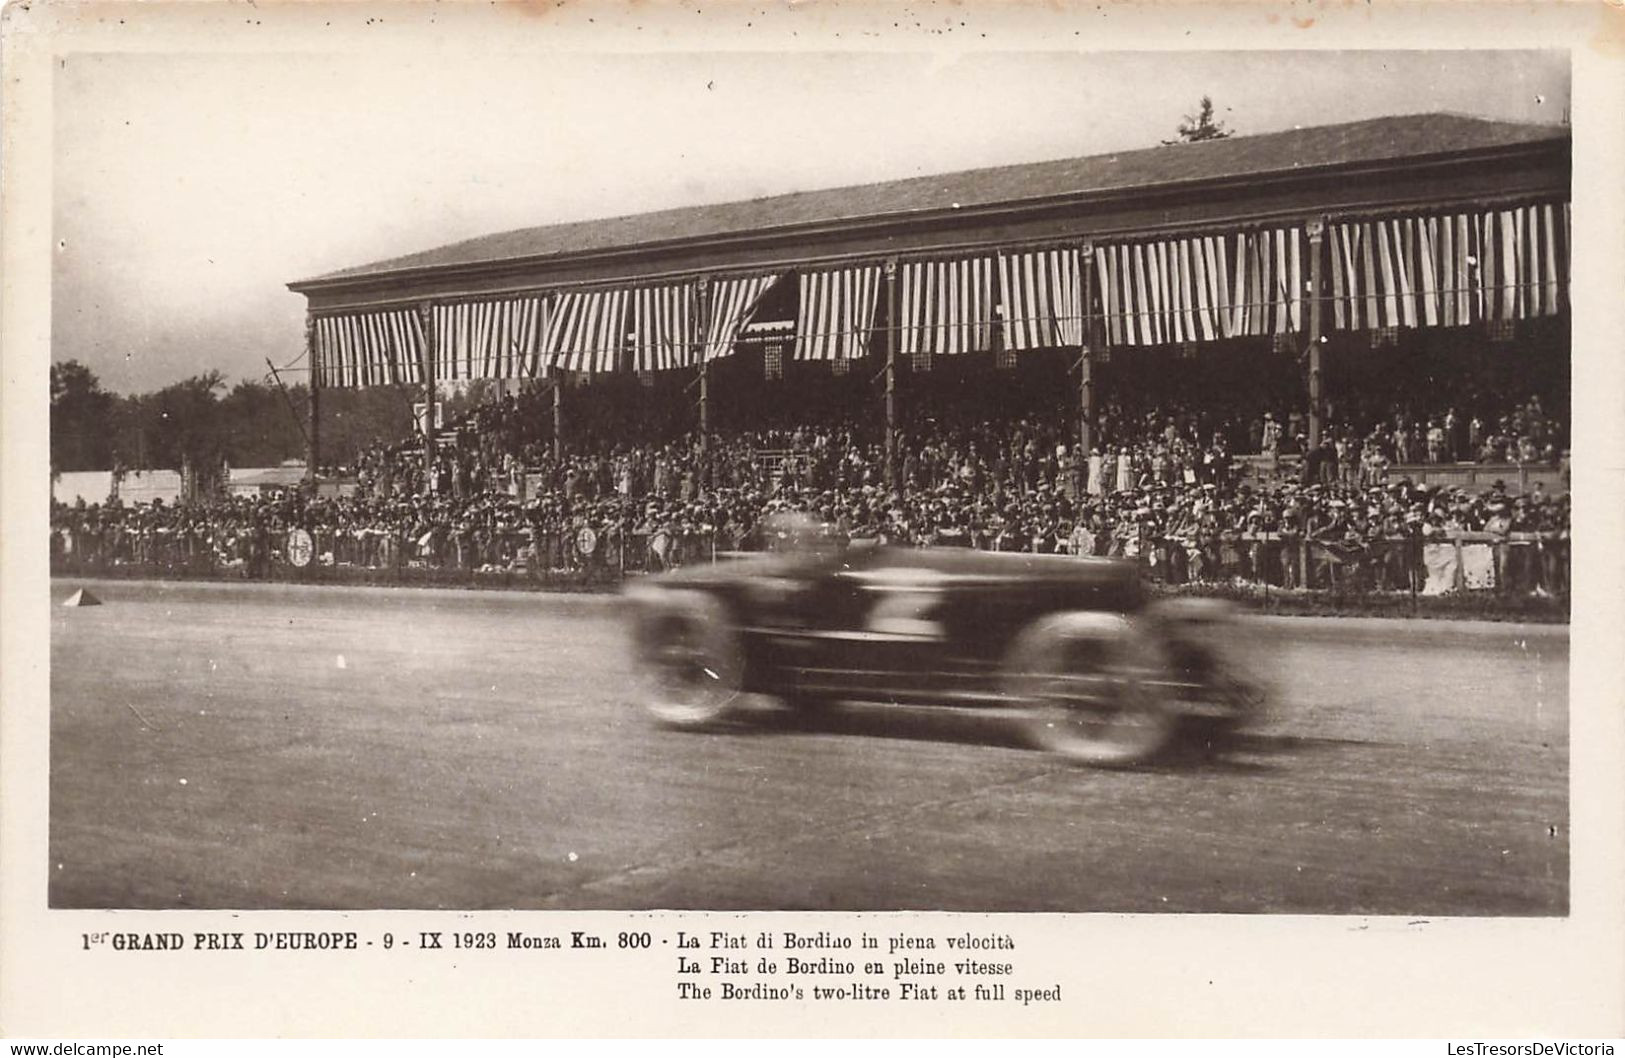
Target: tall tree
pixel 355 419
pixel 81 414
pixel 1200 126
pixel 262 427
pixel 181 423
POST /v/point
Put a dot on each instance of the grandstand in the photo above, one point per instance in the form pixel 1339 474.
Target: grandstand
pixel 1429 232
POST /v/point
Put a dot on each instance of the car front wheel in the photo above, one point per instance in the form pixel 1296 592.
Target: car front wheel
pixel 690 660
pixel 1085 685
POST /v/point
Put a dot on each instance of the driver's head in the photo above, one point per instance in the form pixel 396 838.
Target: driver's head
pixel 798 532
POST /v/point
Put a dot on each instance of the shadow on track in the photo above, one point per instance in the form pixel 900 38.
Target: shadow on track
pixel 1241 753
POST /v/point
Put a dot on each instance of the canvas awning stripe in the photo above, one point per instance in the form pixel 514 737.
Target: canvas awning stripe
pixel 1445 246
pixel 1067 297
pixel 1426 232
pixel 1176 293
pixel 1041 292
pixel 1210 288
pixel 585 330
pixel 1108 297
pixel 662 327
pixel 406 330
pixel 1449 270
pixel 369 349
pixel 731 303
pixel 1188 286
pixel 1161 329
pixel 837 313
pixel 1202 288
pixel 1409 270
pixel 1513 265
pixel 1139 297
pixel 945 307
pixel 1468 290
pixel 1548 257
pixel 332 369
pixel 1389 276
pixel 371 355
pixel 488 339
pixel 1296 286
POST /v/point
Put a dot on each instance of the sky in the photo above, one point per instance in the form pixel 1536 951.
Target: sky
pixel 189 189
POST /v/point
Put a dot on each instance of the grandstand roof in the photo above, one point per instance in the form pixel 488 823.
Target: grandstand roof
pixel 1356 145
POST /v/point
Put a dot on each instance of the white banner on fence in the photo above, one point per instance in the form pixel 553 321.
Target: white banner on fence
pixel 1478 567
pixel 1441 564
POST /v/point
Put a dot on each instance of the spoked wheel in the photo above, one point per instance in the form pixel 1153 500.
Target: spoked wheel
pixel 690 660
pixel 1083 685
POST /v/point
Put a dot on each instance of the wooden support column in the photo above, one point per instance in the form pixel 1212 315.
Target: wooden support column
pixel 430 349
pixel 702 309
pixel 1086 382
pixel 312 449
pixel 558 415
pixel 892 331
pixel 1316 227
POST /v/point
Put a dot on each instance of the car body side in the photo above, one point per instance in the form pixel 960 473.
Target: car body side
pixel 916 626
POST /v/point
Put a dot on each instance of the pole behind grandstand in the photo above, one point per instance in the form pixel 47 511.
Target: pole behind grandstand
pixel 1316 227
pixel 426 315
pixel 315 401
pixel 891 373
pixel 1086 383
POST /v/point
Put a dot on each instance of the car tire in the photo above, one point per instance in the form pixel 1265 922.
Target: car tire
pixel 690 661
pixel 1225 659
pixel 1085 686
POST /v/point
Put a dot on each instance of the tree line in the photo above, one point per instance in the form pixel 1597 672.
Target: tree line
pixel 204 422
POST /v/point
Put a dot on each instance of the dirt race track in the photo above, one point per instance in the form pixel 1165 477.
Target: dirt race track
pixel 252 746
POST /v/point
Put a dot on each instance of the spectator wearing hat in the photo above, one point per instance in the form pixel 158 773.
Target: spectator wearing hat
pixel 1312 461
pixel 1292 531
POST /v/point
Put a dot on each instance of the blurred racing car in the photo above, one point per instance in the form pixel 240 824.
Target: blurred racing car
pixel 1071 648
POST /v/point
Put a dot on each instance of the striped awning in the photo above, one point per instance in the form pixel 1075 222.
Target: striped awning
pixel 585 331
pixel 369 348
pixel 1450 270
pixel 837 313
pixel 489 339
pixel 730 304
pixel 945 307
pixel 1422 270
pixel 1203 288
pixel 662 327
pixel 1041 293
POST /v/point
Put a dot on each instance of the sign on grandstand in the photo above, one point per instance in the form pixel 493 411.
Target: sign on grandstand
pixel 420 415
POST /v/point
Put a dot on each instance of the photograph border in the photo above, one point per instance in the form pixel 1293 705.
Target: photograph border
pixel 1120 975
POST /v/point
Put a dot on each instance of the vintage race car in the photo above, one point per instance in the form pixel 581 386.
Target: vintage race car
pixel 1069 648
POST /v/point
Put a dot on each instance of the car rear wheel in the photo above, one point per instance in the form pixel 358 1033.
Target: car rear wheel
pixel 690 660
pixel 1084 685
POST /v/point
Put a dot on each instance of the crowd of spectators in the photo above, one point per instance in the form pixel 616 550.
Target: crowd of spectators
pixel 1163 485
